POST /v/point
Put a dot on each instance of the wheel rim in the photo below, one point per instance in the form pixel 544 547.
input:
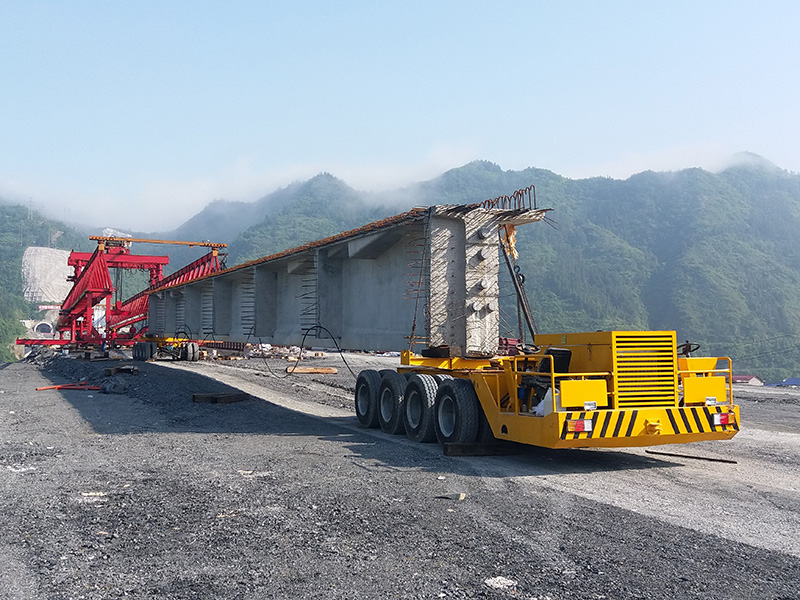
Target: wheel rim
pixel 413 409
pixel 362 400
pixel 447 416
pixel 387 405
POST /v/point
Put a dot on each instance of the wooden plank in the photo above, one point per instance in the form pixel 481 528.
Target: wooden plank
pixel 221 398
pixel 313 370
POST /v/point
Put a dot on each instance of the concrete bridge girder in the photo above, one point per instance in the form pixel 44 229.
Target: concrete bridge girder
pixel 435 268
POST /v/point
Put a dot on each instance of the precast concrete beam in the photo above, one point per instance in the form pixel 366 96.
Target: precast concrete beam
pixel 157 313
pixel 464 290
pixel 429 273
pixel 192 310
pixel 373 245
pixel 266 302
pixel 243 314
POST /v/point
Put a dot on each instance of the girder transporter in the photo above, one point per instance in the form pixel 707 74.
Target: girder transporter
pixel 595 389
pixel 565 390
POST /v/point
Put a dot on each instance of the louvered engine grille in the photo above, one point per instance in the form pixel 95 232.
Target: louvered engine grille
pixel 645 369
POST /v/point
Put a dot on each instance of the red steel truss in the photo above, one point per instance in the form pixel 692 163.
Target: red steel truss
pixel 135 308
pixel 119 257
pixel 93 286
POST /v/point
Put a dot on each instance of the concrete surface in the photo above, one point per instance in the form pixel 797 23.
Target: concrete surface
pixel 150 495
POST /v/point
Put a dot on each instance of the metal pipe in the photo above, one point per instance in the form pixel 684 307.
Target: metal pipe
pixel 521 297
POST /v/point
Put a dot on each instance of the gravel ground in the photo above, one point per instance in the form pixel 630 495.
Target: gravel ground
pixel 144 493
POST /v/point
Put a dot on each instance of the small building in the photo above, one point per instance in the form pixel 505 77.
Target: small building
pixel 748 380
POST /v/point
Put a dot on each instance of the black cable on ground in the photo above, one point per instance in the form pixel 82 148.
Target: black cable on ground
pixel 264 358
pixel 300 357
pixel 338 349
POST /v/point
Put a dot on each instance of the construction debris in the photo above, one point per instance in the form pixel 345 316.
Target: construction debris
pixel 460 496
pixel 313 370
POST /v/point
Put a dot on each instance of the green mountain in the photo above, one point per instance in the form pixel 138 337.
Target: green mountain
pixel 304 212
pixel 20 228
pixel 713 256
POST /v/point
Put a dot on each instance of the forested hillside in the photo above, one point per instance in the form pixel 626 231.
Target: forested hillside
pixel 318 208
pixel 21 227
pixel 714 256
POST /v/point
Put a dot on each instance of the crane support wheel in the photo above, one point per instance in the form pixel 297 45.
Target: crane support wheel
pixel 140 350
pixel 367 386
pixel 418 416
pixel 391 403
pixel 192 351
pixel 457 412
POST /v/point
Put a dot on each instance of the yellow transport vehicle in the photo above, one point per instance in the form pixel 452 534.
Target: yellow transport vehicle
pixel 573 390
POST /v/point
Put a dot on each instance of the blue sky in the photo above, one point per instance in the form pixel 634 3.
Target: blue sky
pixel 137 114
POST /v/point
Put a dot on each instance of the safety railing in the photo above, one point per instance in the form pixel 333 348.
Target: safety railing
pixel 707 367
pixel 596 394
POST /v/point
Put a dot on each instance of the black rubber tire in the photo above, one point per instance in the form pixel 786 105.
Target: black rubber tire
pixel 456 411
pixel 391 403
pixel 366 398
pixel 137 353
pixel 184 352
pixel 385 371
pixel 192 351
pixel 440 377
pixel 152 350
pixel 418 416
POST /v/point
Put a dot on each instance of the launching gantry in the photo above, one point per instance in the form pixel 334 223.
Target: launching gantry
pixel 429 275
pixel 122 320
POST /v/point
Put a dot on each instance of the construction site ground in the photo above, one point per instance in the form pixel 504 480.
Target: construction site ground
pixel 144 493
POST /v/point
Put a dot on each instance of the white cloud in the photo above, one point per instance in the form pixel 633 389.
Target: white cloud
pixel 709 156
pixel 163 204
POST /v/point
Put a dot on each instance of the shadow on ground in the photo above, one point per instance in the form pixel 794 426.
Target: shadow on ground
pixel 159 400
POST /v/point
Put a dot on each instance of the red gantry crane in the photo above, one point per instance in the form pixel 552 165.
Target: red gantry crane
pixel 93 287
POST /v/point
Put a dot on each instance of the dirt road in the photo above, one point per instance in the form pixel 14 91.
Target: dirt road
pixel 148 495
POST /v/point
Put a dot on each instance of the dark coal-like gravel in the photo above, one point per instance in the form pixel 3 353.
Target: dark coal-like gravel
pixel 147 494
